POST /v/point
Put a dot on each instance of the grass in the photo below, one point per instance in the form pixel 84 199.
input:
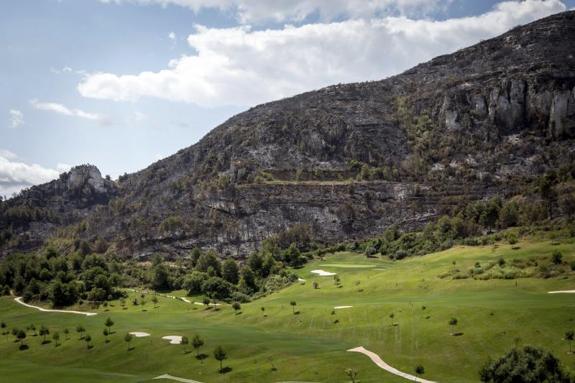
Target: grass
pixel 274 345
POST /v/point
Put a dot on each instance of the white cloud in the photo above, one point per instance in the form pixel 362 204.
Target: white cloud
pixel 61 109
pixel 240 66
pixel 16 175
pixel 250 11
pixel 16 118
pixel 172 36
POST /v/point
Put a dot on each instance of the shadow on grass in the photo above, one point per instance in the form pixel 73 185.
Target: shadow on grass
pixel 23 347
pixel 225 370
pixel 201 356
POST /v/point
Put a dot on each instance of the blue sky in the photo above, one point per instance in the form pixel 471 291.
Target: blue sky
pixel 122 83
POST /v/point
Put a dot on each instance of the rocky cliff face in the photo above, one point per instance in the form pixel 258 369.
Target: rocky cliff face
pixel 350 160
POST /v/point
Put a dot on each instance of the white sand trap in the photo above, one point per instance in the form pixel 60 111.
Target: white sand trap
pixel 174 339
pixel 209 304
pixel 381 364
pixel 342 307
pixel 186 300
pixel 139 334
pixel 323 273
pixel 19 300
pixel 170 377
pixel 301 280
pixel 562 292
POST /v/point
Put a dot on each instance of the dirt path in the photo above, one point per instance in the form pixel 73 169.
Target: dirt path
pixel 381 364
pixel 19 300
pixel 170 377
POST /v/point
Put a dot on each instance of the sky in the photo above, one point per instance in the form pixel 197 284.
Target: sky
pixel 123 83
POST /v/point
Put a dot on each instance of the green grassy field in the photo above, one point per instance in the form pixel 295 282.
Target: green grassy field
pixel 493 315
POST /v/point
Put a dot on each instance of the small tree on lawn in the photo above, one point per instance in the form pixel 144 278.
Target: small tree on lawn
pixel 236 306
pixel 109 323
pixel 185 341
pixel 128 339
pixel 419 369
pixel 220 355
pixel 88 339
pixel 155 301
pixel 80 330
pixel 21 335
pixel 206 301
pixel 3 327
pixel 56 338
pixel 106 332
pixel 315 285
pixel 43 332
pixel 263 309
pixel 453 322
pixel 67 333
pixel 352 374
pixel 32 328
pixel 293 305
pixel 197 343
pixel 569 336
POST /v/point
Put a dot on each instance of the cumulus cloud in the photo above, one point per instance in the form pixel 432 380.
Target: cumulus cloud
pixel 16 118
pixel 62 109
pixel 250 11
pixel 242 66
pixel 16 175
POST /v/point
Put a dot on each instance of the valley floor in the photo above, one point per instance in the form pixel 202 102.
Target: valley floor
pixel 276 345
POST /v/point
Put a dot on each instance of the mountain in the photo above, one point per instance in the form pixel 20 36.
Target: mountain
pixel 343 162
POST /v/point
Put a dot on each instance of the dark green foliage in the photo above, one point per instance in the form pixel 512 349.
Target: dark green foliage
pixel 217 288
pixel 220 355
pixel 527 365
pixel 230 271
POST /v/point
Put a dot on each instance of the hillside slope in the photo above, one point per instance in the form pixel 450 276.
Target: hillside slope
pixel 347 160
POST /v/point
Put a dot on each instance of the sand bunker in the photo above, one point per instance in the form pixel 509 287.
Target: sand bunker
pixel 174 339
pixel 562 292
pixel 186 300
pixel 19 300
pixel 323 273
pixel 381 364
pixel 170 377
pixel 139 334
pixel 342 307
pixel 209 304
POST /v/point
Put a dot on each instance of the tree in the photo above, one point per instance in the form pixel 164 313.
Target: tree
pixel 56 338
pixel 3 327
pixel 526 365
pixel 293 305
pixel 80 330
pixel 208 260
pixel 263 309
pixel 220 355
pixel 21 335
pixel 453 322
pixel 197 343
pixel 230 271
pixel 109 323
pixel 128 339
pixel 88 339
pixel 184 342
pixel 160 278
pixel 352 374
pixel 106 332
pixel 569 336
pixel 557 257
pixel 155 301
pixel 236 306
pixel 67 333
pixel 43 332
pixel 32 328
pixel 315 285
pixel 419 369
